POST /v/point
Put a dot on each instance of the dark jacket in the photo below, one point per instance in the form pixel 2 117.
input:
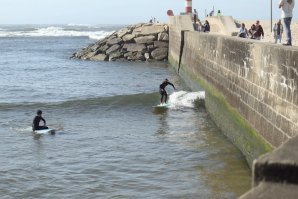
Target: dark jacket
pixel 206 27
pixel 260 31
pixel 35 125
pixel 164 84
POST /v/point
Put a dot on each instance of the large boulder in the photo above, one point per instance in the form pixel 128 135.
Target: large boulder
pixel 149 30
pixel 139 25
pixel 135 56
pixel 95 47
pixel 160 44
pixel 145 39
pixel 114 56
pixel 112 49
pixel 78 54
pixel 134 47
pixel 88 55
pixel 114 41
pixel 102 41
pixel 99 57
pixel 123 32
pixel 128 37
pixel 103 48
pixel 163 36
pixel 129 54
pixel 160 53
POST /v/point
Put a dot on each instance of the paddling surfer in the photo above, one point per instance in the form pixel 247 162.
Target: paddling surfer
pixel 163 91
pixel 36 121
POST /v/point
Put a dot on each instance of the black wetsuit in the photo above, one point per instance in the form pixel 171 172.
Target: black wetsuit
pixel 35 125
pixel 163 91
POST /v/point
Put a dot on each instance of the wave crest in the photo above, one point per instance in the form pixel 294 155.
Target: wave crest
pixel 143 99
pixel 54 31
pixel 177 100
pixel 185 99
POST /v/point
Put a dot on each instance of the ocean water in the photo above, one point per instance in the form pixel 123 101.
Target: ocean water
pixel 110 141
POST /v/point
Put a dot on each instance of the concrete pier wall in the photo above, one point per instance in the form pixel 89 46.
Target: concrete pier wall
pixel 251 94
pixel 253 83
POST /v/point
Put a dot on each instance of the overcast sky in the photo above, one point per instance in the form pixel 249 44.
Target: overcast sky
pixel 124 11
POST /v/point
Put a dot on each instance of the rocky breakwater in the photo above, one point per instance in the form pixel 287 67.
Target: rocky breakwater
pixel 139 42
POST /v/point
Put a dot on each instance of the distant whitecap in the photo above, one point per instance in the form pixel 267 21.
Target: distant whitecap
pixel 54 31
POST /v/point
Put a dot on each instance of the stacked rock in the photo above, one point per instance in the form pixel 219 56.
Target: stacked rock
pixel 145 41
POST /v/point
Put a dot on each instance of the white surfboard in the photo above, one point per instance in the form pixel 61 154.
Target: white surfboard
pixel 45 131
pixel 163 105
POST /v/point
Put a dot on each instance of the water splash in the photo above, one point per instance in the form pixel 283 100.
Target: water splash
pixel 183 99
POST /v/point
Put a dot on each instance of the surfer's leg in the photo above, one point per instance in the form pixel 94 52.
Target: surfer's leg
pixel 166 97
pixel 161 98
pixel 42 128
pixel 38 128
pixel 162 95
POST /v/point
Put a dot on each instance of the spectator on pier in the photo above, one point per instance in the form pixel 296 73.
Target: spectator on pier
pixel 211 13
pixel 197 26
pixel 252 32
pixel 287 7
pixel 277 31
pixel 243 31
pixel 206 26
pixel 195 16
pixel 259 31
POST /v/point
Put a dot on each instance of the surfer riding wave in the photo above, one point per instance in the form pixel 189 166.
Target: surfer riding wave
pixel 163 92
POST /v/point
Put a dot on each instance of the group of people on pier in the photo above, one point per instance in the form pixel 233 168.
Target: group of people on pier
pixel 256 31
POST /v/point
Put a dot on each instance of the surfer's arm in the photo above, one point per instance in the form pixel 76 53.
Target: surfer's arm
pixel 172 85
pixel 44 121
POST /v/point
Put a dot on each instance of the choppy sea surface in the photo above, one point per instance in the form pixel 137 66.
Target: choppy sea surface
pixel 110 141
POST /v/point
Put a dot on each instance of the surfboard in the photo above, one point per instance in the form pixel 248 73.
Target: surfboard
pixel 45 131
pixel 163 105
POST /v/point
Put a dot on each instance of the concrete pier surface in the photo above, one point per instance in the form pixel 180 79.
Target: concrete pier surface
pixel 275 175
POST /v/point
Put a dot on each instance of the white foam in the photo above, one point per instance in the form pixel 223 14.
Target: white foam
pixel 182 99
pixel 56 32
pixel 73 24
pixel 22 129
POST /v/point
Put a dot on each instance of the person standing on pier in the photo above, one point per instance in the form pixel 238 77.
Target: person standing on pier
pixel 243 33
pixel 287 7
pixel 259 31
pixel 195 16
pixel 278 30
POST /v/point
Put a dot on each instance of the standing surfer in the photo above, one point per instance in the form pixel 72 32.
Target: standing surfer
pixel 163 91
pixel 36 121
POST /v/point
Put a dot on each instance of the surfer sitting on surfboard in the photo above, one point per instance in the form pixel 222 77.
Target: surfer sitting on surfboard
pixel 163 91
pixel 38 117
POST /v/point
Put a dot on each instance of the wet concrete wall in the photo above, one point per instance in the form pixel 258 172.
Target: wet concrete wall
pixel 251 94
pixel 251 86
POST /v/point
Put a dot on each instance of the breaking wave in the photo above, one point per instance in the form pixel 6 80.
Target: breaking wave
pixel 183 99
pixel 55 31
pixel 177 100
